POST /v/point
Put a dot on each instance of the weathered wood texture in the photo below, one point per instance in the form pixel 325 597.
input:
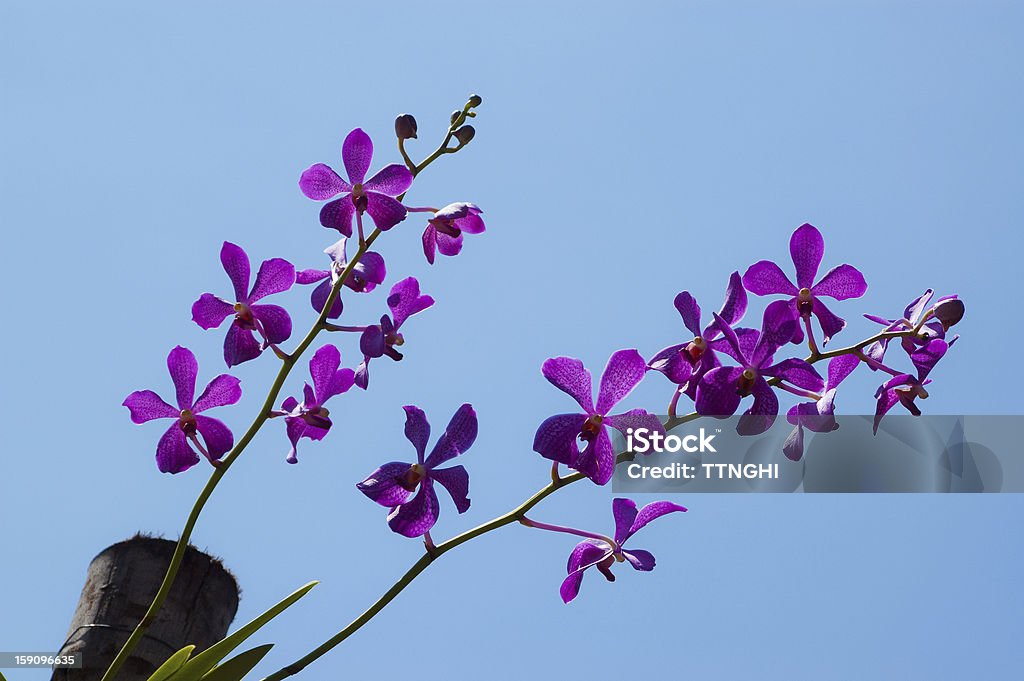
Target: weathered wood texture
pixel 119 586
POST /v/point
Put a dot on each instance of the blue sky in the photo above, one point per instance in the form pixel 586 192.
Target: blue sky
pixel 621 156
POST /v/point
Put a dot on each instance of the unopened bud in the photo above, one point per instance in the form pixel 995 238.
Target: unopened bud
pixel 405 127
pixel 475 101
pixel 949 312
pixel 455 116
pixel 465 134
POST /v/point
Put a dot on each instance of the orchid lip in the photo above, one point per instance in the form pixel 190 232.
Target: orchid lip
pixel 187 421
pixel 591 427
pixel 745 383
pixel 412 477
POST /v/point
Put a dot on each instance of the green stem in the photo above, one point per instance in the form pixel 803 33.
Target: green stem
pixel 515 515
pixel 287 363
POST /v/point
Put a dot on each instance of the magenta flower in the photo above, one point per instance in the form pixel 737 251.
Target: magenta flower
pixel 176 451
pixel 841 282
pixel 818 416
pixel 363 278
pixel 602 552
pixel 687 363
pixel 310 418
pixel 271 322
pixel 379 340
pixel 559 436
pixel 374 196
pixel 912 316
pixel 395 484
pixel 905 388
pixel 444 231
pixel 722 389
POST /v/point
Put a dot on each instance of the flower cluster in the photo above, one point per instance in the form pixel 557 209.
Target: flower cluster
pixel 256 326
pixel 717 365
pixel 724 363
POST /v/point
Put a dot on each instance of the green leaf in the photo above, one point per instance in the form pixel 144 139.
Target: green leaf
pixel 240 665
pixel 173 664
pixel 202 663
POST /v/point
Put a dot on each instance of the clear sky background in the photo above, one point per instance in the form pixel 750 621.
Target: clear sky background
pixel 622 155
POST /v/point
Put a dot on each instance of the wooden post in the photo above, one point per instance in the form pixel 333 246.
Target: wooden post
pixel 119 586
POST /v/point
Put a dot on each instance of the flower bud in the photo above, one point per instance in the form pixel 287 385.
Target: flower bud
pixel 455 116
pixel 949 312
pixel 475 101
pixel 465 134
pixel 405 127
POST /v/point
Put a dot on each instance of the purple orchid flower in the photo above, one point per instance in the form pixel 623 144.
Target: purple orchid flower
pixel 271 322
pixel 310 418
pixel 687 363
pixel 374 196
pixel 379 340
pixel 841 282
pixel 176 451
pixel 905 388
pixel 444 231
pixel 558 437
pixel 364 277
pixel 818 416
pixel 914 313
pixel 602 552
pixel 394 483
pixel 722 389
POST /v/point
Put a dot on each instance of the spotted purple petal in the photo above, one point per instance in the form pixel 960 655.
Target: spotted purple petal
pixel 240 345
pixel 762 412
pixel 556 438
pixel 415 517
pixel 830 323
pixel 173 453
pixel 716 393
pixel 689 310
pixel 624 512
pixel 382 485
pixel 236 264
pixel 842 283
pixel 357 153
pixel 385 211
pixel 807 247
pixel 209 311
pixel 338 214
pixel 390 180
pixel 216 436
pixel 458 437
pixel 652 512
pixel 797 372
pixel 146 405
pixel 275 276
pixel 319 182
pixel 456 481
pixel 640 559
pixel 417 430
pixel 405 300
pixel 597 460
pixel 571 377
pixel 184 368
pixel 625 369
pixel 765 278
pixel 220 392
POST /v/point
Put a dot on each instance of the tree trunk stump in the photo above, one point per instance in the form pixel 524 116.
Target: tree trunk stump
pixel 119 586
